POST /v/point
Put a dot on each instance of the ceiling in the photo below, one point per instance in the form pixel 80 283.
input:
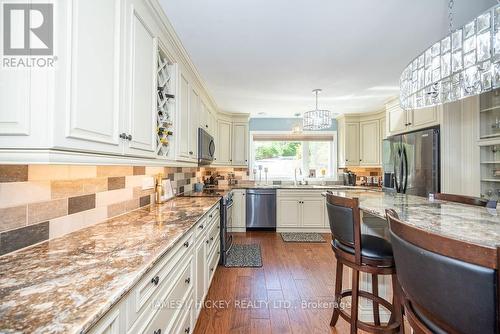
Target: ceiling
pixel 264 57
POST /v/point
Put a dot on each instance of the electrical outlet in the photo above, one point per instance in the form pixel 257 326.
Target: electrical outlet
pixel 148 182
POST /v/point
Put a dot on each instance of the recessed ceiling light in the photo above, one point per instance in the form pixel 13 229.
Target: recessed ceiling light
pixel 261 113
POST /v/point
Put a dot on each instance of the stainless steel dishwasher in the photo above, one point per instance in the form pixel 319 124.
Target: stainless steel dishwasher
pixel 261 209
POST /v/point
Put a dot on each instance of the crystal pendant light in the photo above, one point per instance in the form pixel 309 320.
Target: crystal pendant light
pixel 462 64
pixel 317 119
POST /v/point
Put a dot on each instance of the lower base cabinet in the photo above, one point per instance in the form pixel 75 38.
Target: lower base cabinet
pixel 169 297
pixel 301 211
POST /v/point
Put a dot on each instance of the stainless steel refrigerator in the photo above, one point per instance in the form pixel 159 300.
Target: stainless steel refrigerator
pixel 411 162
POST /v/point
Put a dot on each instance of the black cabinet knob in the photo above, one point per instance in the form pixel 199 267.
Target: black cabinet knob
pixel 122 135
pixel 187 330
pixel 207 241
pixel 201 227
pixel 211 238
pixel 191 152
pixel 129 137
pixel 186 244
pixel 187 280
pixel 212 269
pixel 158 331
pixel 155 280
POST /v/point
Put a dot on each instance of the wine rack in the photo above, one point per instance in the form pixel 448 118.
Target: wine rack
pixel 166 94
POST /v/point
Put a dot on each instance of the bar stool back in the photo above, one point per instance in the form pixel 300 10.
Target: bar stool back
pixel 448 286
pixel 362 253
pixel 466 200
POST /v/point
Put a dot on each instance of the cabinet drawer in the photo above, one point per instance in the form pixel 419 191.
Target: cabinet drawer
pixel 213 236
pixel 160 276
pixel 201 227
pixel 213 213
pixel 168 304
pixel 185 321
pixel 213 261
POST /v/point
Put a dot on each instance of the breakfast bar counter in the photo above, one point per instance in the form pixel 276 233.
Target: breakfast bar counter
pixel 470 224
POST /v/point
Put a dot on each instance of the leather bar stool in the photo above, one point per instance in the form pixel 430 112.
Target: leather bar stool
pixel 466 200
pixel 361 253
pixel 447 286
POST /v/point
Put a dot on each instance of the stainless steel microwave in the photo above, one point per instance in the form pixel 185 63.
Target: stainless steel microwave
pixel 206 147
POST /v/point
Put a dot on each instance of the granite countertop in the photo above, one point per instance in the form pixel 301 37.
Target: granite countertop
pixel 467 223
pixel 301 187
pixel 66 285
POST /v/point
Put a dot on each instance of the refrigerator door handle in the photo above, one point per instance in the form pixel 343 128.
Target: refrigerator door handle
pixel 397 164
pixel 405 170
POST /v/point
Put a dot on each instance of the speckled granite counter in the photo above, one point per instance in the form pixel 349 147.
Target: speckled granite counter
pixel 466 223
pixel 65 285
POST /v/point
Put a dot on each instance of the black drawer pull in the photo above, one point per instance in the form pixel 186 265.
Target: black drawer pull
pixel 186 244
pixel 208 241
pixel 212 269
pixel 158 331
pixel 155 280
pixel 211 238
pixel 187 330
pixel 210 215
pixel 187 280
pixel 201 226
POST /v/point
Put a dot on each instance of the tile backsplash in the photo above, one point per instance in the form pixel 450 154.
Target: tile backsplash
pixel 38 202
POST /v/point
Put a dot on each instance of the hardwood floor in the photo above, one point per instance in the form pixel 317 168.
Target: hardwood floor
pixel 271 299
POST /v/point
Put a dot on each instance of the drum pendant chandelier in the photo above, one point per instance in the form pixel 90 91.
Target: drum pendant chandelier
pixel 317 119
pixel 464 63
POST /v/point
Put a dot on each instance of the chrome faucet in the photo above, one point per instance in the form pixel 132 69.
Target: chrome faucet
pixel 295 175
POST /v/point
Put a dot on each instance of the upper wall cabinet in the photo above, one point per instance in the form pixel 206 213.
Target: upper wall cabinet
pixel 232 140
pixel 87 91
pixel 223 143
pixel 102 96
pixel 140 97
pixel 360 140
pixel 188 120
pixel 369 148
pixel 408 120
pixel 240 144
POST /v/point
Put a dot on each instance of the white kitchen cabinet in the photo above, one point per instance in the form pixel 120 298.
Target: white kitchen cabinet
pixel 360 139
pixel 140 117
pixel 313 210
pixel 188 121
pixel 352 144
pixel 194 111
pixel 397 118
pixel 101 102
pixel 87 85
pixel 370 143
pixel 182 277
pixel 300 211
pixel 183 119
pixel 112 323
pixel 401 120
pixel 240 144
pixel 223 143
pixel 200 287
pixel 421 118
pixel 239 210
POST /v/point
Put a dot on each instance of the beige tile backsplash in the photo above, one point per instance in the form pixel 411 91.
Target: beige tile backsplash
pixel 58 199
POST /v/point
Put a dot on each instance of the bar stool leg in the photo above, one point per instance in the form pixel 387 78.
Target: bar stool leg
pixel 376 314
pixel 397 304
pixel 354 301
pixel 338 290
